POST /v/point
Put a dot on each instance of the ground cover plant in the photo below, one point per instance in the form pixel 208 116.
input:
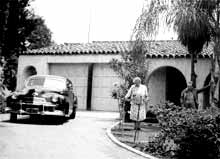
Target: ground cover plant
pixel 186 133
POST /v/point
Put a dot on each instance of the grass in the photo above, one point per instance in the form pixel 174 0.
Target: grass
pixel 125 133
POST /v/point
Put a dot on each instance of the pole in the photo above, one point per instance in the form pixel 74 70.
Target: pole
pixel 89 88
pixel 193 74
pixel 122 118
pixel 89 29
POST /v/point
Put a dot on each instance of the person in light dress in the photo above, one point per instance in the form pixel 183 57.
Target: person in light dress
pixel 138 96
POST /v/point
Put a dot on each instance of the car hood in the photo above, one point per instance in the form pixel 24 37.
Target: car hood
pixel 42 88
pixel 39 91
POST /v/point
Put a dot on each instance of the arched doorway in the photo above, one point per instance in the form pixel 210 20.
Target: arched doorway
pixel 29 71
pixel 166 84
pixel 206 103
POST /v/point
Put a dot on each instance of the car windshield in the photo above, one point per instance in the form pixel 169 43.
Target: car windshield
pixel 49 83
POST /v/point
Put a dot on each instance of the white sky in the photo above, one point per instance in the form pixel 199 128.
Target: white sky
pixel 110 20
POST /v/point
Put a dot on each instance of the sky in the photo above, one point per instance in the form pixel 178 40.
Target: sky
pixel 77 21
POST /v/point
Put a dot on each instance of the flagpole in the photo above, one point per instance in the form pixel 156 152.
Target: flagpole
pixel 90 21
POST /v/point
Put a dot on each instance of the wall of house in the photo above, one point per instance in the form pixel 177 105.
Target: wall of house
pixel 103 79
pixel 41 63
pixel 38 62
pixel 76 69
pixel 157 87
pixel 202 69
pixel 104 74
pixel 78 74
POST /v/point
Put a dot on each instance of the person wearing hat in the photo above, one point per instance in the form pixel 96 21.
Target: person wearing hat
pixel 138 95
pixel 189 96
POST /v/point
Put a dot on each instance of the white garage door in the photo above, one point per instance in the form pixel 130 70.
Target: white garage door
pixel 103 79
pixel 78 74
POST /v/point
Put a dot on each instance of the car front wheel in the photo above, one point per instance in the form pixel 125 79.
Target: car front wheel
pixel 13 117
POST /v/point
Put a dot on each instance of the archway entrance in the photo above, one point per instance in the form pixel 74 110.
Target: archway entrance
pixel 166 84
pixel 29 71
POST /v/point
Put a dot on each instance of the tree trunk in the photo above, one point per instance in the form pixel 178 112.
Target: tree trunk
pixel 193 74
pixel 215 73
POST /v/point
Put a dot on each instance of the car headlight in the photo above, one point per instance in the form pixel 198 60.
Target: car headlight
pixel 35 94
pixel 14 96
pixel 54 99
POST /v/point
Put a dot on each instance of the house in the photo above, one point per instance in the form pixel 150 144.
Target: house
pixel 87 66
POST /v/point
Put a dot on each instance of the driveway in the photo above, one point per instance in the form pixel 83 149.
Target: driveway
pixel 81 138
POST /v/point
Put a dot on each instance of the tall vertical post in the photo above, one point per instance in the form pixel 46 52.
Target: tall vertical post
pixel 193 74
pixel 89 29
pixel 89 86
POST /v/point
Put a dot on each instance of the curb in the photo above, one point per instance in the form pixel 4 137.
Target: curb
pixel 117 142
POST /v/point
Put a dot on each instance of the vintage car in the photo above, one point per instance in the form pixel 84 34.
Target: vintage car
pixel 44 95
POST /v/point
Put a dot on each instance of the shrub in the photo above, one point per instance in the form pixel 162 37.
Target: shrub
pixel 131 64
pixel 186 133
pixel 4 93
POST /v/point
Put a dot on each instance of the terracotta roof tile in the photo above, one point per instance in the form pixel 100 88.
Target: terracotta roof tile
pixel 158 49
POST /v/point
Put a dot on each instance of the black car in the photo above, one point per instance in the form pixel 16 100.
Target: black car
pixel 44 95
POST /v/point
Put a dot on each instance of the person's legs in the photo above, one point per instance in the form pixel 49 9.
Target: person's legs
pixel 191 105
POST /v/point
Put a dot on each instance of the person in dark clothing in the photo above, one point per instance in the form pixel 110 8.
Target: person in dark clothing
pixel 189 97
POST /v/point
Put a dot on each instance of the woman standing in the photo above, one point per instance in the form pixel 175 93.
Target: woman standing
pixel 138 95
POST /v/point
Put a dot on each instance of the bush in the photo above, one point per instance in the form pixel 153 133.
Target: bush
pixel 186 133
pixel 2 104
pixel 4 93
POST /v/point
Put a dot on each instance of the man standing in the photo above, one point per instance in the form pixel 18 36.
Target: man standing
pixel 189 97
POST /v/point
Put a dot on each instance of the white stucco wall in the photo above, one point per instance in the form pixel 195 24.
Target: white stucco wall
pixel 182 64
pixel 103 79
pixel 78 74
pixel 157 87
pixel 202 69
pixel 41 63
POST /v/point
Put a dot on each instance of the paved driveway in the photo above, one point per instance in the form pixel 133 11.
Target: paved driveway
pixel 82 138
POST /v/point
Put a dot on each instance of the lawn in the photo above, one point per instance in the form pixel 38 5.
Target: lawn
pixel 125 133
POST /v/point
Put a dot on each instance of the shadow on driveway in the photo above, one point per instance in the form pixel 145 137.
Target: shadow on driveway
pixel 40 120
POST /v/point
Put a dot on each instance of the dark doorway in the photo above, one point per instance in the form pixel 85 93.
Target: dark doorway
pixel 175 83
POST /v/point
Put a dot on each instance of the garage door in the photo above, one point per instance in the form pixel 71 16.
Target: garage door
pixel 78 74
pixel 103 79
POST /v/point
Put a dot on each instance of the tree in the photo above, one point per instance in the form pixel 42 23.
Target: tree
pixel 197 24
pixel 17 23
pixel 132 64
pixel 40 36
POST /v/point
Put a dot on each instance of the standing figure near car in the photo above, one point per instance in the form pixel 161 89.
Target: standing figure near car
pixel 138 95
pixel 189 97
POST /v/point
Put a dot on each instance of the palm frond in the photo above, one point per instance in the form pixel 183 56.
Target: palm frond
pixel 147 24
pixel 191 23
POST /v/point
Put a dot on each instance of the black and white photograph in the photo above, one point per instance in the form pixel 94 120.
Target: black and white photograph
pixel 109 79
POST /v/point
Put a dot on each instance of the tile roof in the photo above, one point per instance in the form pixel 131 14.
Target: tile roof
pixel 158 49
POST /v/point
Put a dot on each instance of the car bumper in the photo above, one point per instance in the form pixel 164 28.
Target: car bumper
pixel 40 109
pixel 46 113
